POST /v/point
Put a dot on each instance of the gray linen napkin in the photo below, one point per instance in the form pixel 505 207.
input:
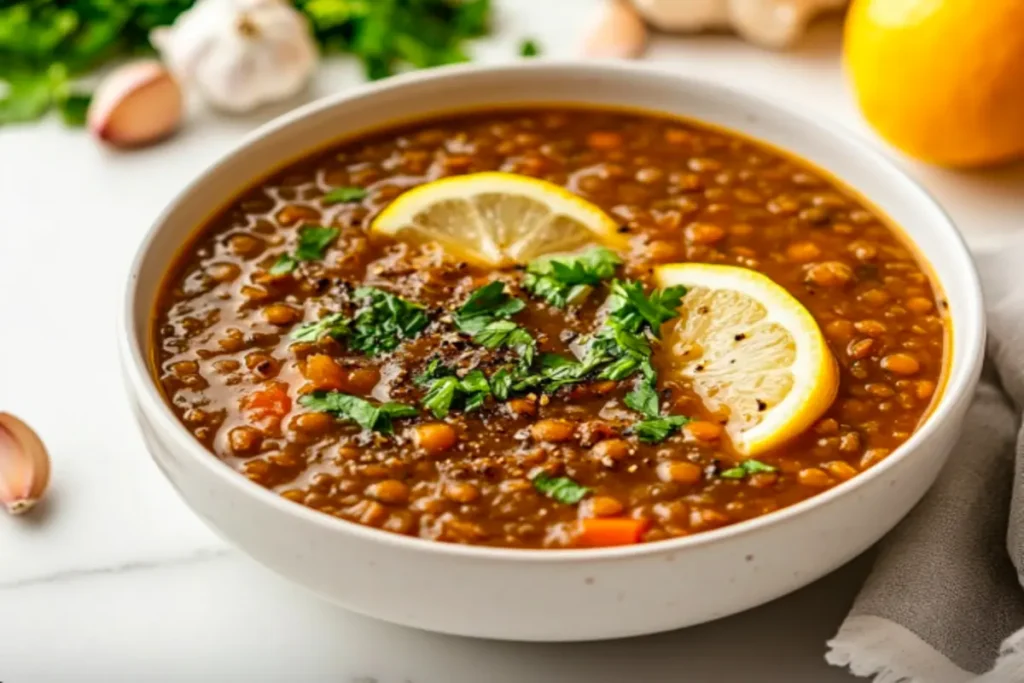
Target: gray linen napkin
pixel 944 603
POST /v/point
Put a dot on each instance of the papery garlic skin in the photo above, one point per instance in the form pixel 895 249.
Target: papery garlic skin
pixel 769 23
pixel 240 54
pixel 24 466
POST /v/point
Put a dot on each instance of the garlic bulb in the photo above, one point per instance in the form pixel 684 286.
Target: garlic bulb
pixel 239 54
pixel 771 23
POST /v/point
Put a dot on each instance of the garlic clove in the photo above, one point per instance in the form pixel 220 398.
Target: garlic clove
pixel 135 105
pixel 618 32
pixel 24 465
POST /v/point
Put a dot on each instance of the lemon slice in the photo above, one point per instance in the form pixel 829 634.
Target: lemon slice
pixel 749 350
pixel 498 218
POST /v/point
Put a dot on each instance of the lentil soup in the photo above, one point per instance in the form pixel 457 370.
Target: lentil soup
pixel 347 371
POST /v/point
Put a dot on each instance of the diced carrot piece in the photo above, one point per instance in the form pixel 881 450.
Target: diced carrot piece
pixel 270 400
pixel 324 373
pixel 608 531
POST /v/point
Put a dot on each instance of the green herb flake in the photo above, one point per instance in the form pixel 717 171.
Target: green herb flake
pixel 746 468
pixel 628 303
pixel 284 264
pixel 334 325
pixel 384 321
pixel 565 280
pixel 644 399
pixel 343 195
pixel 656 430
pixel 369 416
pixel 529 48
pixel 440 396
pixel 485 315
pixel 563 489
pixel 313 242
pixel 445 390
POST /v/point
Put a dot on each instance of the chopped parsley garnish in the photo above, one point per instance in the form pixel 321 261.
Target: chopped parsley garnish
pixel 445 389
pixel 746 468
pixel 313 242
pixel 565 280
pixel 485 315
pixel 370 416
pixel 333 325
pixel 384 321
pixel 620 348
pixel 529 48
pixel 342 195
pixel 488 303
pixel 657 429
pixel 629 303
pixel 644 399
pixel 562 489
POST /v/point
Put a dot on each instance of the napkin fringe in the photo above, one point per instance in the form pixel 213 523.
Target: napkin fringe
pixel 876 647
pixel 1010 665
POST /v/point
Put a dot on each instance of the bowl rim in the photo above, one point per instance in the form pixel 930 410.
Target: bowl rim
pixel 959 380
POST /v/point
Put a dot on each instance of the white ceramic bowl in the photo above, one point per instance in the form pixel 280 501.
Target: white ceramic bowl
pixel 549 595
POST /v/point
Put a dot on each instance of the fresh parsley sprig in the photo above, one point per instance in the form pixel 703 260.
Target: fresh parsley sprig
pixel 369 416
pixel 313 243
pixel 446 390
pixel 385 321
pixel 565 280
pixel 746 468
pixel 657 429
pixel 344 195
pixel 485 317
pixel 333 325
pixel 563 489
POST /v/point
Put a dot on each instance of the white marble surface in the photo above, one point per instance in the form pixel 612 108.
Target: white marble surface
pixel 114 579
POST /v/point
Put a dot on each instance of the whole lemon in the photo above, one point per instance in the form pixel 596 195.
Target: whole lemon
pixel 942 80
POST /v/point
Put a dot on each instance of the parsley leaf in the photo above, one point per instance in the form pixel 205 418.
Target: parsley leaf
pixel 486 304
pixel 563 489
pixel 373 417
pixel 439 398
pixel 529 48
pixel 501 384
pixel 644 399
pixel 342 195
pixel 564 280
pixel 334 325
pixel 445 390
pixel 313 242
pixel 484 316
pixel 656 430
pixel 747 467
pixel 630 305
pixel 385 321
